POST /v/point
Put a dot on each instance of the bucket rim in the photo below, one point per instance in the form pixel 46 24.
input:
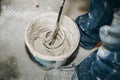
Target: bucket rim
pixel 51 58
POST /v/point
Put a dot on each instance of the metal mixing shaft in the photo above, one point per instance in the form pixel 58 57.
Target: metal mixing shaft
pixel 53 37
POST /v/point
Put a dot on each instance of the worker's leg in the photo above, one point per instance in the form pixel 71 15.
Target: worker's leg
pixel 100 13
pixel 104 64
pixel 83 70
pixel 99 66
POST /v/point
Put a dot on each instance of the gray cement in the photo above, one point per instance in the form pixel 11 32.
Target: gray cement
pixel 15 16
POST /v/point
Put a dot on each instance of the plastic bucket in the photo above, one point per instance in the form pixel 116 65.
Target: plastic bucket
pixel 47 61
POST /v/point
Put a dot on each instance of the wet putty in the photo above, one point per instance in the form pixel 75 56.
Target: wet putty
pixel 43 28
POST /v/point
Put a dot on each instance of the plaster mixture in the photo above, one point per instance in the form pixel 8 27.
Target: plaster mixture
pixel 67 39
pixel 38 33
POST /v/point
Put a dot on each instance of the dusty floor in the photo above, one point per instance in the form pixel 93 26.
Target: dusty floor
pixel 15 16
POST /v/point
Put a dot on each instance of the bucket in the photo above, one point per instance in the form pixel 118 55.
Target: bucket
pixel 34 32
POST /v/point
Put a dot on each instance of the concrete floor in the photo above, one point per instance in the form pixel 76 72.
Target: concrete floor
pixel 15 16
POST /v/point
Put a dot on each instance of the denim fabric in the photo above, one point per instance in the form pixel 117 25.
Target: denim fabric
pixel 83 70
pixel 114 3
pixel 103 64
pixel 100 13
pixel 110 35
pixel 106 66
pixel 100 65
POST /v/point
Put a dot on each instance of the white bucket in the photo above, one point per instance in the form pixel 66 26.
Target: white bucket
pixel 49 61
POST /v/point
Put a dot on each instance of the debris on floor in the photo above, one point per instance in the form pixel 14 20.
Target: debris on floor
pixel 9 69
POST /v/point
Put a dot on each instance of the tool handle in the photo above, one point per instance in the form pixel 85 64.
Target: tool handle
pixel 60 11
pixel 57 23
